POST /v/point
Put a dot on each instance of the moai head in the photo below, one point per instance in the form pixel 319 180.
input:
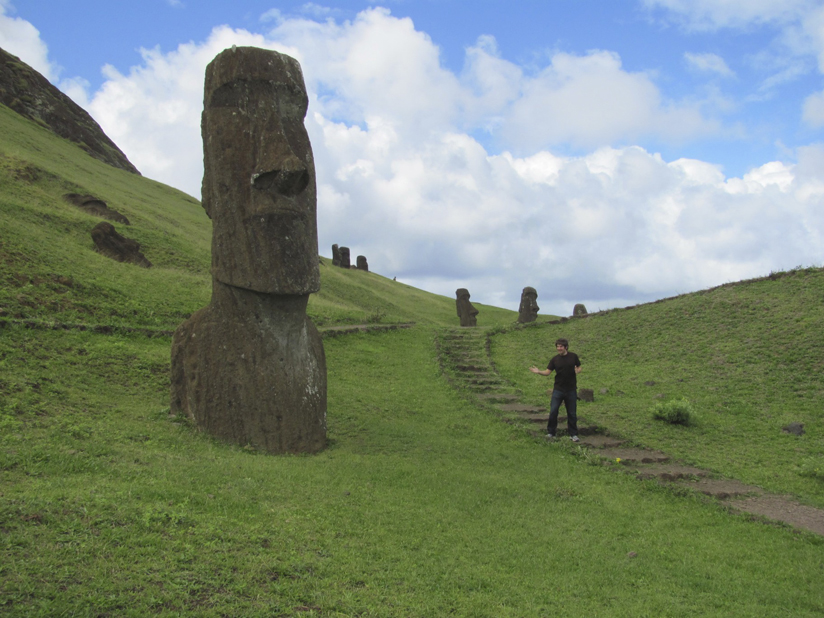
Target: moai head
pixel 528 311
pixel 345 262
pixel 579 309
pixel 466 312
pixel 361 263
pixel 335 255
pixel 259 173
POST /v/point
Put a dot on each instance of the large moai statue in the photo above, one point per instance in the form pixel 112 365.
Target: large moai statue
pixel 361 263
pixel 335 255
pixel 250 368
pixel 579 309
pixel 466 312
pixel 528 311
pixel 345 261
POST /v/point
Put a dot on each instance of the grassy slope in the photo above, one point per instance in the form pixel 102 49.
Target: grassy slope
pixel 422 505
pixel 749 357
pixel 49 269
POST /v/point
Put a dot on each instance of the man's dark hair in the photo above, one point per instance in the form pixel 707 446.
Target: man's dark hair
pixel 562 342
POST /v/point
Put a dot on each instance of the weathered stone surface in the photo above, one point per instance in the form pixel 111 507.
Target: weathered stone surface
pixel 345 260
pixel 586 394
pixel 335 255
pixel 258 181
pixel 31 95
pixel 528 311
pixel 466 312
pixel 95 206
pixel 579 309
pixel 250 367
pixel 362 264
pixel 111 244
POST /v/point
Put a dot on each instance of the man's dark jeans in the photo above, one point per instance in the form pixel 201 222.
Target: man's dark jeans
pixel 570 400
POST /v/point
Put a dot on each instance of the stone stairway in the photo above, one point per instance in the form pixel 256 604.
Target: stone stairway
pixel 466 363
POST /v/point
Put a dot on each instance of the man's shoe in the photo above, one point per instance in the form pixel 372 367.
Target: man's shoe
pixel 550 436
pixel 575 438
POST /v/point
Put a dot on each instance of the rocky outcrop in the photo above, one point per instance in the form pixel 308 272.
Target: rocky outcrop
pixel 117 247
pixel 31 95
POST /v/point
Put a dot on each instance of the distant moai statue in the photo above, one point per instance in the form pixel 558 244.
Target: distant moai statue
pixel 361 263
pixel 250 367
pixel 528 311
pixel 579 309
pixel 466 312
pixel 335 255
pixel 344 258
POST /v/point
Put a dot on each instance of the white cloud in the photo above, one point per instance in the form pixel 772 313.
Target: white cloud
pixel 402 181
pixel 706 15
pixel 708 63
pixel 588 101
pixel 21 38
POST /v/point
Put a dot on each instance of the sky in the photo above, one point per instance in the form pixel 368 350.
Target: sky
pixel 603 152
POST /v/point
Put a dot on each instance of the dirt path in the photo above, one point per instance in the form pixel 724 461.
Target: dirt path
pixel 466 363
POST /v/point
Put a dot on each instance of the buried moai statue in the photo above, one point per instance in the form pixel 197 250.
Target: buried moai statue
pixel 345 262
pixel 579 309
pixel 466 311
pixel 528 311
pixel 361 263
pixel 249 368
pixel 335 255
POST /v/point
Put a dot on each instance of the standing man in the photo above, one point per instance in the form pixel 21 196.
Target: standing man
pixel 566 366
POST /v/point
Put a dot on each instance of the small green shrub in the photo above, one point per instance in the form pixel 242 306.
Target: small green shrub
pixel 676 412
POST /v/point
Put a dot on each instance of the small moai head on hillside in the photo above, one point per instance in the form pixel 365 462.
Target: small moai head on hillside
pixel 345 261
pixel 335 255
pixel 579 309
pixel 466 311
pixel 361 263
pixel 259 173
pixel 528 311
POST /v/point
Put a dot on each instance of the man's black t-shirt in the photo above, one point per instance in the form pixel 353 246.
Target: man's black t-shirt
pixel 565 376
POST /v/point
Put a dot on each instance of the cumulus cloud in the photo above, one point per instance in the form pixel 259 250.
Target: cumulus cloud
pixel 21 38
pixel 403 178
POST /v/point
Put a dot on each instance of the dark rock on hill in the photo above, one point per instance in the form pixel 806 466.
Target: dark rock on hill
pixel 31 95
pixel 111 244
pixel 95 206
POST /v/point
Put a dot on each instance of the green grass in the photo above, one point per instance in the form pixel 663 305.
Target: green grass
pixel 748 357
pixel 423 504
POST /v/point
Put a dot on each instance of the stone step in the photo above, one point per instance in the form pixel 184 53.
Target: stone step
pixel 722 489
pixel 634 455
pixel 598 441
pixel 669 472
pixel 497 397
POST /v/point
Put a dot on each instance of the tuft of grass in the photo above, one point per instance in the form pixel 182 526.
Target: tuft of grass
pixel 675 412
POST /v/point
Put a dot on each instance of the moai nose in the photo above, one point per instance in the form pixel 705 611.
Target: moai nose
pixel 289 178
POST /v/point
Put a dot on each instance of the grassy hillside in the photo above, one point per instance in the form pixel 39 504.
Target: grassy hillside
pixel 749 357
pixel 422 504
pixel 50 271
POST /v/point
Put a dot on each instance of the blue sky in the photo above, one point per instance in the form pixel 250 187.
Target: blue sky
pixel 600 151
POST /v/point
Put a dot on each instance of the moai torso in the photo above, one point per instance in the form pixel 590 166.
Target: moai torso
pixel 250 367
pixel 528 311
pixel 466 311
pixel 345 262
